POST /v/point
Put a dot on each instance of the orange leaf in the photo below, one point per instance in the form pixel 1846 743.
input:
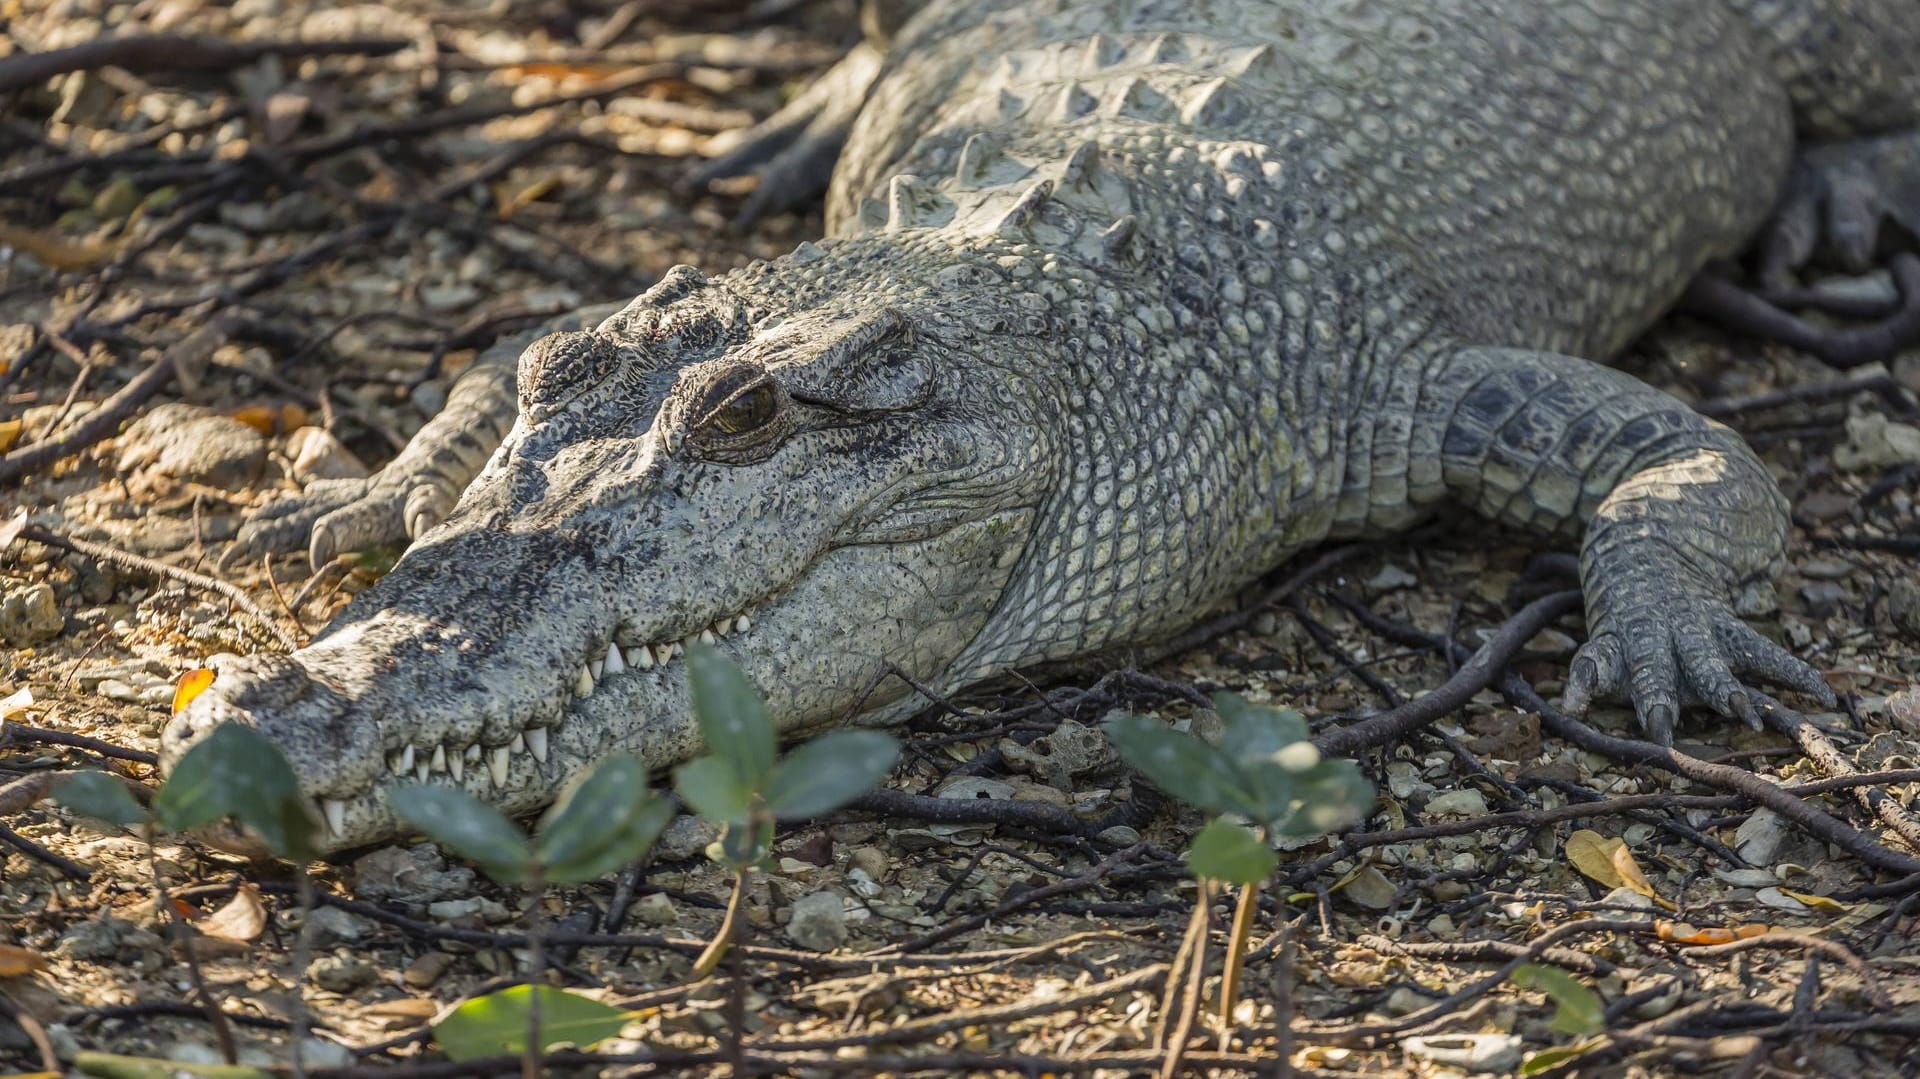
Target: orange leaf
pixel 292 418
pixel 259 417
pixel 15 961
pixel 1682 933
pixel 9 429
pixel 192 684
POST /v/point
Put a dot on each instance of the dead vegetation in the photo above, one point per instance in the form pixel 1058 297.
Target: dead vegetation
pixel 295 223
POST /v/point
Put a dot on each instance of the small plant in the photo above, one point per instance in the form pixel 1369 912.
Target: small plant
pixel 603 822
pixel 232 775
pixel 1264 781
pixel 743 786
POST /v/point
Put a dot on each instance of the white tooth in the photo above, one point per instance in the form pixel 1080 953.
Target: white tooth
pixel 396 765
pixel 519 743
pixel 706 636
pixel 421 771
pixel 595 669
pixel 742 624
pixel 583 683
pixel 472 754
pixel 336 811
pixel 439 762
pixel 406 762
pixel 537 742
pixel 640 658
pixel 458 766
pixel 723 627
pixel 663 653
pixel 498 762
pixel 613 663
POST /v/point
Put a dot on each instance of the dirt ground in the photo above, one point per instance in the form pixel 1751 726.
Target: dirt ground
pixel 224 271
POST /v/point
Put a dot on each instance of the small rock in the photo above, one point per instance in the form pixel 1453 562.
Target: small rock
pixel 314 454
pixel 1758 839
pixel 114 689
pixel 426 970
pixel 190 444
pixel 1120 835
pixel 1875 442
pixel 687 837
pixel 409 875
pixel 656 909
pixel 1460 803
pixel 1070 750
pixel 819 922
pixel 1825 505
pixel 95 939
pixel 446 910
pixel 967 787
pixel 870 860
pixel 1903 606
pixel 340 973
pixel 1825 569
pixel 29 615
pixel 1371 889
pixel 1821 597
pixel 1391 578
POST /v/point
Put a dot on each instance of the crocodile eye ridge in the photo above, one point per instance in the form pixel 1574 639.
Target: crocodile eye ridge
pixel 556 368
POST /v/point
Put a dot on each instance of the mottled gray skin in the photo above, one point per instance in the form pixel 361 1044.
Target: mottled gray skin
pixel 1125 301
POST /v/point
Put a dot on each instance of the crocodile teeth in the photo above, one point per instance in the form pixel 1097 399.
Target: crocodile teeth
pixel 583 683
pixel 537 742
pixel 613 663
pixel 722 627
pixel 742 624
pixel 663 653
pixel 472 754
pixel 421 771
pixel 336 811
pixel 498 762
pixel 400 761
pixel 439 762
pixel 457 764
pixel 706 636
pixel 519 743
pixel 597 669
pixel 640 658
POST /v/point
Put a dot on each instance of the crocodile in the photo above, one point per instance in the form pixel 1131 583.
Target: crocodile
pixel 1121 304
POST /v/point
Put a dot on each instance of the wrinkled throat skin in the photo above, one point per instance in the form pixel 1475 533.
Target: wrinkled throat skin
pixel 826 483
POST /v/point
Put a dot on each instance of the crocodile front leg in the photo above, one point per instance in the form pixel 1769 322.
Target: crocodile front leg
pixel 417 489
pixel 1682 525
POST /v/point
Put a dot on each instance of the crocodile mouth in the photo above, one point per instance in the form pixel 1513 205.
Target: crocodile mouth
pixel 482 767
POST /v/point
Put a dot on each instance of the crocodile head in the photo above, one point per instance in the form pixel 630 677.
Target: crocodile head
pixel 825 473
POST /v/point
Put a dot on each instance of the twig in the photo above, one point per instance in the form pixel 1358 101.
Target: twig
pixel 11 733
pixel 1823 753
pixel 172 52
pixel 142 564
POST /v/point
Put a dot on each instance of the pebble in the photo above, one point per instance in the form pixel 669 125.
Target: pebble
pixel 314 454
pixel 410 875
pixel 1474 1053
pixel 29 615
pixel 1391 578
pixel 1759 837
pixel 656 909
pixel 870 860
pixel 191 444
pixel 819 922
pixel 1903 606
pixel 687 837
pixel 1458 803
pixel 1825 569
pixel 426 969
pixel 340 973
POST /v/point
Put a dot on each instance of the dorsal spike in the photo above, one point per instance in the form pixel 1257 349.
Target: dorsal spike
pixel 1217 104
pixel 1102 51
pixel 1116 240
pixel 1257 62
pixel 900 208
pixel 1142 102
pixel 678 283
pixel 1080 164
pixel 974 155
pixel 1076 102
pixel 873 214
pixel 1021 215
pixel 1166 49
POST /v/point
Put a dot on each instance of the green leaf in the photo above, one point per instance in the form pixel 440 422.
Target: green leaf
pixel 1255 732
pixel 1331 796
pixel 602 823
pixel 713 789
pixel 1578 1010
pixel 1180 764
pixel 235 772
pixel 733 719
pixel 1553 1057
pixel 745 845
pixel 466 826
pixel 496 1024
pixel 101 796
pixel 829 772
pixel 1232 853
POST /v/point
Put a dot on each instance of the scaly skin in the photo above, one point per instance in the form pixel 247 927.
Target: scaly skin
pixel 1124 302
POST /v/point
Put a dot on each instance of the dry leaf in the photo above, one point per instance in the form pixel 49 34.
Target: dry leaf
pixel 15 961
pixel 192 684
pixel 242 918
pixel 56 252
pixel 1592 854
pixel 404 1008
pixel 559 72
pixel 1633 877
pixel 259 417
pixel 16 702
pixel 1818 902
pixel 9 429
pixel 511 200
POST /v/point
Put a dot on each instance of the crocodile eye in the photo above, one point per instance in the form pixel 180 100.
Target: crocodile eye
pixel 747 411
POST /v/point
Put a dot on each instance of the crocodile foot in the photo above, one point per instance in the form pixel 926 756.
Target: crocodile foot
pixel 1662 641
pixel 335 516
